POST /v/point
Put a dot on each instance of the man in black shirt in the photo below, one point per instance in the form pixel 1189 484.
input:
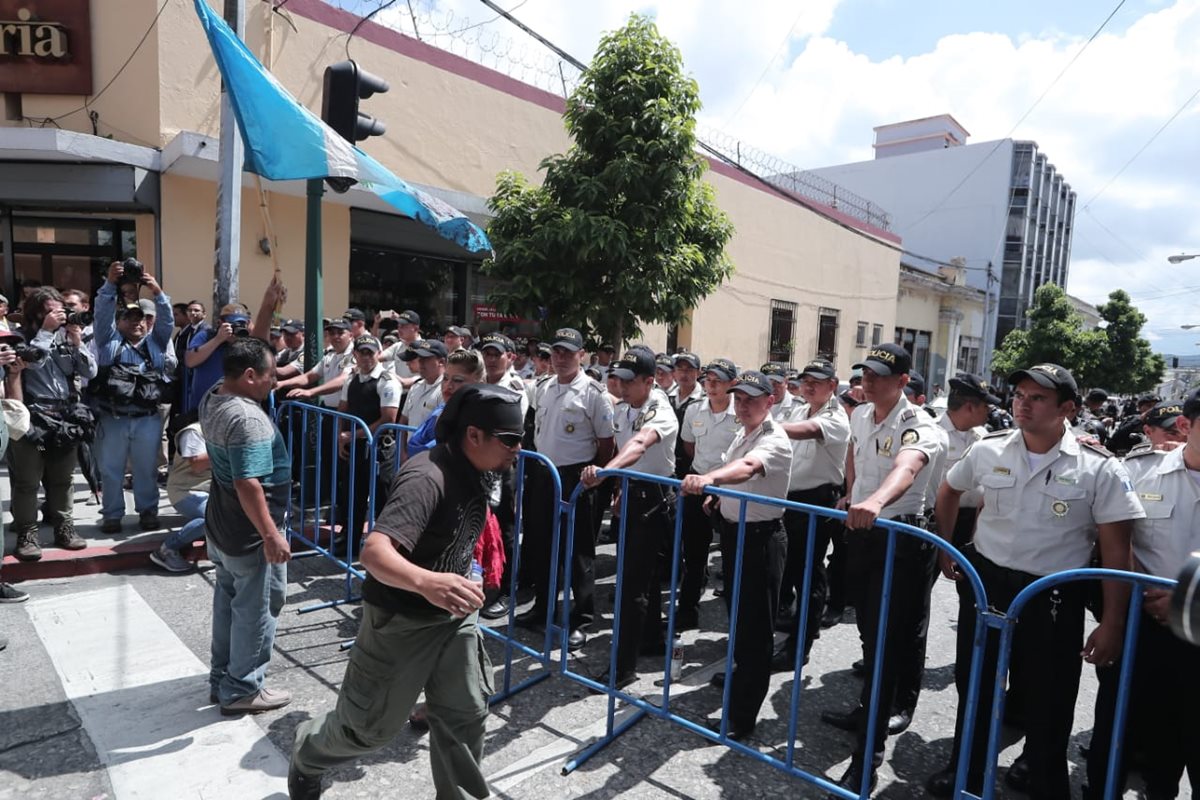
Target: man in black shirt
pixel 420 628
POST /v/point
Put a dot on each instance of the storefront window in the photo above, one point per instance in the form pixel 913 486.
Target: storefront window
pixel 67 252
pixel 383 279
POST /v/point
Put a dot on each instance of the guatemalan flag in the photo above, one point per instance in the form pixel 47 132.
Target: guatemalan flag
pixel 285 141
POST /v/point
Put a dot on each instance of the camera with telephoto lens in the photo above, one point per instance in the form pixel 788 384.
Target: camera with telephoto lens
pixel 1184 615
pixel 133 270
pixel 240 327
pixel 29 354
pixel 80 318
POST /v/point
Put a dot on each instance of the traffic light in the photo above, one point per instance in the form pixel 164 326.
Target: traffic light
pixel 345 85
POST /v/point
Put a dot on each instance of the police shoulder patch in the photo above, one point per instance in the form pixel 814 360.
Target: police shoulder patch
pixel 767 425
pixel 907 415
pixel 910 436
pixel 1143 449
pixel 999 434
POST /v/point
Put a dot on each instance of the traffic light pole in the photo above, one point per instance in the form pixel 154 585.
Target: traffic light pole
pixel 313 280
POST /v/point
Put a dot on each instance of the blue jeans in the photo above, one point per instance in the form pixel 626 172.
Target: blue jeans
pixel 247 599
pixel 192 507
pixel 134 440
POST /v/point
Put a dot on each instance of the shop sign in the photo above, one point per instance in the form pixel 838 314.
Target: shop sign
pixel 486 313
pixel 45 47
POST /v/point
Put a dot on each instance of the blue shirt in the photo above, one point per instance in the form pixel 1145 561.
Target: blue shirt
pixel 111 346
pixel 198 380
pixel 425 437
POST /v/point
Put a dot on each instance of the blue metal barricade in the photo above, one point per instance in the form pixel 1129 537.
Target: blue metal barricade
pixel 663 710
pixel 314 430
pixel 1007 623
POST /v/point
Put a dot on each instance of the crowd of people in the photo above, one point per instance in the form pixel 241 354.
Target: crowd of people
pixel 1017 478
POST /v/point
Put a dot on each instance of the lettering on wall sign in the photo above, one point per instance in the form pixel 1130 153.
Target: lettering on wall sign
pixel 45 47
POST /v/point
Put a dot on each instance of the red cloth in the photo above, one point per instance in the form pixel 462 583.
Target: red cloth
pixel 489 552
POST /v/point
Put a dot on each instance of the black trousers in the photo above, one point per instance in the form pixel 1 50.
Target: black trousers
pixel 763 555
pixel 1046 644
pixel 915 560
pixel 837 572
pixel 650 510
pixel 796 523
pixel 359 490
pixel 697 534
pixel 1163 715
pixel 506 517
pixel 536 541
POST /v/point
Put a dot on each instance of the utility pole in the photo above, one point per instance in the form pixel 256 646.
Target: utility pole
pixel 229 184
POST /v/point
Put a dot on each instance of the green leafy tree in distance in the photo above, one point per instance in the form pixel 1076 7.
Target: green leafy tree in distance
pixel 1130 366
pixel 623 229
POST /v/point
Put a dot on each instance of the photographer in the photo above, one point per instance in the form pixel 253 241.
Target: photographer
pixel 129 387
pixel 48 366
pixel 206 352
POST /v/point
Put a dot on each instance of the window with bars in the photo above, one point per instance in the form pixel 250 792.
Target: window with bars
pixel 860 338
pixel 917 344
pixel 876 334
pixel 783 331
pixel 968 354
pixel 827 328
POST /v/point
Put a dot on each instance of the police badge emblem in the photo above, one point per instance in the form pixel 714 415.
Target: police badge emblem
pixel 1060 508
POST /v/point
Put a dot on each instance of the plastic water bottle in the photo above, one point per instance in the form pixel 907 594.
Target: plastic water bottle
pixel 676 658
pixel 476 573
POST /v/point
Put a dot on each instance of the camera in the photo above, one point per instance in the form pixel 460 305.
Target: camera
pixel 1185 602
pixel 240 328
pixel 29 354
pixel 133 270
pixel 80 318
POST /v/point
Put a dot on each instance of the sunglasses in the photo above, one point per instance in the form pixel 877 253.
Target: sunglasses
pixel 507 438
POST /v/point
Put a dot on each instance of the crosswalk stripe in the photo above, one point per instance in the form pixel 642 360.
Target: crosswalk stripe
pixel 142 696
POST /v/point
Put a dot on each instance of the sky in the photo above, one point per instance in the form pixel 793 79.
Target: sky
pixel 807 80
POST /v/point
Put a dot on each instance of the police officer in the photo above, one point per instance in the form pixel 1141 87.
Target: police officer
pixel 426 393
pixel 573 427
pixel 498 351
pixel 645 429
pixel 1164 705
pixel 758 461
pixel 1161 427
pixel 372 394
pixel 1047 499
pixel 707 430
pixel 664 373
pixel 892 444
pixel 420 627
pixel 819 431
pixel 785 405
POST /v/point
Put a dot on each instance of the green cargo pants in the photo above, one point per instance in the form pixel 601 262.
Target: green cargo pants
pixel 395 657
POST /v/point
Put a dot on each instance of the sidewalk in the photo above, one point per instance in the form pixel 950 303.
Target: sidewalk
pixel 105 552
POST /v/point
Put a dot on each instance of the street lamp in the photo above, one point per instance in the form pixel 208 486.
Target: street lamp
pixel 1189 327
pixel 1182 257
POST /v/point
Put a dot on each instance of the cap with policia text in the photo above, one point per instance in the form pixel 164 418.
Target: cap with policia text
pixel 497 340
pixel 775 372
pixel 633 364
pixel 1164 414
pixel 973 386
pixel 753 383
pixel 354 315
pixel 725 369
pixel 886 359
pixel 690 359
pixel 408 318
pixel 1050 376
pixel 819 368
pixel 292 326
pixel 424 348
pixel 664 362
pixel 569 339
pixel 367 342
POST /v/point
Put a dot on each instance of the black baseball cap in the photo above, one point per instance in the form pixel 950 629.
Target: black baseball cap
pixel 497 340
pixel 544 350
pixel 1148 398
pixel 457 330
pixel 886 359
pixel 723 367
pixel 915 385
pixel 775 372
pixel 367 342
pixel 1096 396
pixel 1164 414
pixel 753 383
pixel 819 368
pixel 408 318
pixel 973 386
pixel 354 315
pixel 633 364
pixel 691 359
pixel 423 348
pixel 1191 405
pixel 341 324
pixel 292 326
pixel 593 373
pixel 664 361
pixel 1051 376
pixel 849 399
pixel 568 338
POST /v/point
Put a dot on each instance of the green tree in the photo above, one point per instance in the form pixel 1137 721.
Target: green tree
pixel 1055 335
pixel 1130 366
pixel 622 230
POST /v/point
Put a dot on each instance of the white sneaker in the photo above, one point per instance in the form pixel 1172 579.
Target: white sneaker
pixel 170 560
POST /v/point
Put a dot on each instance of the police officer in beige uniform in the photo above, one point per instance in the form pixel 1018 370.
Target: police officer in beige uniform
pixel 573 427
pixel 758 461
pixel 820 434
pixel 1047 499
pixel 785 405
pixel 707 431
pixel 426 394
pixel 1164 705
pixel 892 444
pixel 645 429
pixel 498 355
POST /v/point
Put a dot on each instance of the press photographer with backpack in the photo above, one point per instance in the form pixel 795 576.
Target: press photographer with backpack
pixel 128 389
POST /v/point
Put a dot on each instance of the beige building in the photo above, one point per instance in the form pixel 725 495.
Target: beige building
pixel 940 321
pixel 131 167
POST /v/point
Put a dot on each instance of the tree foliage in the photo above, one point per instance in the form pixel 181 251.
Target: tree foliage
pixel 1115 358
pixel 622 228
